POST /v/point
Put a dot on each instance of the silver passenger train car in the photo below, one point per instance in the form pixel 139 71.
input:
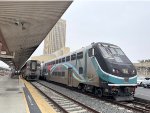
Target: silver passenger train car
pixel 100 68
pixel 31 70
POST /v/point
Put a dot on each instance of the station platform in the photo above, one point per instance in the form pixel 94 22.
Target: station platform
pixel 19 96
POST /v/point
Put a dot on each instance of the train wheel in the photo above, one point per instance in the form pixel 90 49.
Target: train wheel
pixel 99 92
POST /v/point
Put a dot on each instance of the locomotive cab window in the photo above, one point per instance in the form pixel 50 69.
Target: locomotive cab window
pixel 33 65
pixel 79 55
pixel 91 52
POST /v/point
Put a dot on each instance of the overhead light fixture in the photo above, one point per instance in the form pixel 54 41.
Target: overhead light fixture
pixel 17 23
pixel 23 25
pixel 3 52
pixel 20 23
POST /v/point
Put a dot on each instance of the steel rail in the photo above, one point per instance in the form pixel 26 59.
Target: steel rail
pixel 138 104
pixel 51 100
pixel 134 106
pixel 59 106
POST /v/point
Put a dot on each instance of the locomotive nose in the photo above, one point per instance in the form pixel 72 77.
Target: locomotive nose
pixel 123 70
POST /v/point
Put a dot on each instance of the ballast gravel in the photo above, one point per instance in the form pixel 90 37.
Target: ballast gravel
pixel 99 105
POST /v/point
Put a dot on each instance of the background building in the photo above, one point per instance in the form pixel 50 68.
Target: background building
pixel 56 38
pixel 54 43
pixel 143 67
pixel 44 58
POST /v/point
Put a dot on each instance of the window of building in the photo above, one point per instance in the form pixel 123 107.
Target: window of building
pixel 63 59
pixel 80 70
pixel 68 58
pixel 79 55
pixel 73 56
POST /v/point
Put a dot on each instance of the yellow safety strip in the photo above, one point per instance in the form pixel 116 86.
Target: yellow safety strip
pixel 25 101
pixel 40 101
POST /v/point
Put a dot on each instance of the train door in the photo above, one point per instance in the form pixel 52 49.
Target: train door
pixel 69 76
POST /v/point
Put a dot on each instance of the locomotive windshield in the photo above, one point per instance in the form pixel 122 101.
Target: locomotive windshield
pixel 110 51
pixel 33 65
pixel 115 61
pixel 113 54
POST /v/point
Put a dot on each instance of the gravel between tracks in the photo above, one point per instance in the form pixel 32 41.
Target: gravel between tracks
pixel 101 106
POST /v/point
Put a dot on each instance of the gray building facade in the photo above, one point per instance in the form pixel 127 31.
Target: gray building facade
pixel 56 38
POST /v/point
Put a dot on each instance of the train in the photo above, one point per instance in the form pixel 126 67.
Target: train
pixel 31 70
pixel 100 68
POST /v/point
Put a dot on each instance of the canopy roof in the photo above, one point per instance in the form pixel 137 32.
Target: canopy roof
pixel 24 24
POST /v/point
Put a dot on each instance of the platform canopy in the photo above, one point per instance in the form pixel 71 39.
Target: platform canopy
pixel 24 24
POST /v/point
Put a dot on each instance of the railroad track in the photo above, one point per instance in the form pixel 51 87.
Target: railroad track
pixel 133 105
pixel 138 105
pixel 63 102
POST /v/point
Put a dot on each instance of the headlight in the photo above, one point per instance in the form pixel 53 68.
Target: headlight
pixel 116 71
pixel 39 67
pixel 113 70
pixel 133 71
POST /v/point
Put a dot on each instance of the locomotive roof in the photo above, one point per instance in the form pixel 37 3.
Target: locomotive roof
pixel 106 44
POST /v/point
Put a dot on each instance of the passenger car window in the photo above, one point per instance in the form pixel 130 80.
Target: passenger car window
pixel 73 57
pixel 79 55
pixel 63 73
pixel 68 58
pixel 63 59
pixel 59 60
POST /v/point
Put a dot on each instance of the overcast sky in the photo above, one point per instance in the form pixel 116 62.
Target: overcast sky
pixel 123 23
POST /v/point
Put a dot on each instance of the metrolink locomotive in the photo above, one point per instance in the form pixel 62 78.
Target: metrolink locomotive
pixel 100 68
